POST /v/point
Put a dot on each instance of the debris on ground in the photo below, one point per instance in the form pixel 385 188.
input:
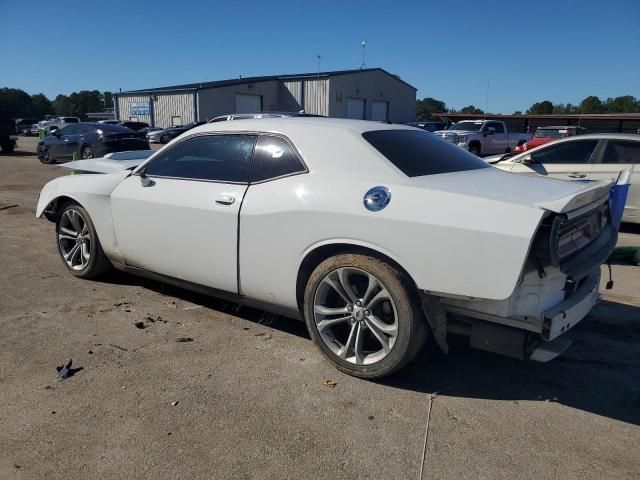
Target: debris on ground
pixel 330 383
pixel 65 371
pixel 193 307
pixel 173 404
pixel 264 335
pixel 7 208
pixel 140 325
pixel 184 339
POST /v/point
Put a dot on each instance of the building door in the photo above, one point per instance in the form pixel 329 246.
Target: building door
pixel 379 111
pixel 248 103
pixel 355 108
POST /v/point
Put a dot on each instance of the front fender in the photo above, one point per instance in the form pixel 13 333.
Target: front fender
pixel 93 193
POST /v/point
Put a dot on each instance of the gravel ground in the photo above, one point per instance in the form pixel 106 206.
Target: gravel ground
pixel 245 398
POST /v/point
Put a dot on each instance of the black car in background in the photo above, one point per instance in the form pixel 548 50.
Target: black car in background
pixel 135 126
pixel 428 126
pixel 168 134
pixel 89 140
pixel 23 126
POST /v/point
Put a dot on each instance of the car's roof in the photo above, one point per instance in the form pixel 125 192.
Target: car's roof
pixel 290 124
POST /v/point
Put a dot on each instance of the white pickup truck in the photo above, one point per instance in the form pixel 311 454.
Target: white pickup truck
pixel 483 137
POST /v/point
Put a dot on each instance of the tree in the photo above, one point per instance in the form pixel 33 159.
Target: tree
pixel 41 106
pixel 624 104
pixel 15 103
pixel 426 107
pixel 471 109
pixel 61 105
pixel 541 108
pixel 107 100
pixel 591 104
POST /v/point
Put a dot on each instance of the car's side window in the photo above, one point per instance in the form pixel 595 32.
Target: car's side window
pixel 273 158
pixel 68 130
pixel 569 152
pixel 222 158
pixel 499 128
pixel 621 151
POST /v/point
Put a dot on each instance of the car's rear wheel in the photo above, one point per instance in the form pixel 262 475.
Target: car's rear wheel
pixel 364 315
pixel 43 154
pixel 164 139
pixel 7 147
pixel 78 243
pixel 86 152
pixel 475 149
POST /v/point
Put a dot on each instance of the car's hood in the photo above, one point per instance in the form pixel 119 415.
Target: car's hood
pixel 110 163
pixel 532 190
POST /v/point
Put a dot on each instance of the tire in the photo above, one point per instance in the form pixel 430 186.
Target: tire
pixel 164 139
pixel 44 156
pixel 475 149
pixel 399 320
pixel 8 147
pixel 74 219
pixel 86 152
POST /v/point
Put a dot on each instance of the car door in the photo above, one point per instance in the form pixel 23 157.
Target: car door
pixel 178 215
pixel 618 155
pixel 570 160
pixel 498 141
pixel 72 141
pixel 58 146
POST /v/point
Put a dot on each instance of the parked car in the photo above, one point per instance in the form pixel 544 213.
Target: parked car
pixel 588 157
pixel 153 134
pixel 57 123
pixel 168 134
pixel 8 137
pixel 110 122
pixel 483 137
pixel 88 140
pixel 242 210
pixel 428 126
pixel 135 126
pixel 23 126
pixel 35 129
pixel 544 135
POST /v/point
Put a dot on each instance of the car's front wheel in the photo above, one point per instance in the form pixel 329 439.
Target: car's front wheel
pixel 364 315
pixel 78 243
pixel 43 154
pixel 86 152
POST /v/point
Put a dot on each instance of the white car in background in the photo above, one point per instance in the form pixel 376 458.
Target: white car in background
pixel 374 234
pixel 587 157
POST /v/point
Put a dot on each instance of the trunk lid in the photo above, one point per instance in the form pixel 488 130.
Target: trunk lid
pixel 558 196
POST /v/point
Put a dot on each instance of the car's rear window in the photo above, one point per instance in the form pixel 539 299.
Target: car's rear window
pixel 419 153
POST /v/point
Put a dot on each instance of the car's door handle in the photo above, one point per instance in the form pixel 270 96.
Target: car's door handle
pixel 225 199
pixel 577 175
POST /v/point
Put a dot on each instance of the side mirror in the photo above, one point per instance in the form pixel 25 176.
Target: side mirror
pixel 54 131
pixel 528 160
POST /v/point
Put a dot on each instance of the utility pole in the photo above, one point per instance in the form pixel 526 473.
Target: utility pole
pixel 364 65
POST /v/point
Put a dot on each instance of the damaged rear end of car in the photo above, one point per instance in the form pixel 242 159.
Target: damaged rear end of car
pixel 558 286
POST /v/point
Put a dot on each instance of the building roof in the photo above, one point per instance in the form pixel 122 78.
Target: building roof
pixel 246 80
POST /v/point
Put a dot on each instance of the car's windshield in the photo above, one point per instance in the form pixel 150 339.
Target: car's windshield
pixel 551 133
pixel 468 126
pixel 419 153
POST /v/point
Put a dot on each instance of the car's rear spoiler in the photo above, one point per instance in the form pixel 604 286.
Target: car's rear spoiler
pixel 593 192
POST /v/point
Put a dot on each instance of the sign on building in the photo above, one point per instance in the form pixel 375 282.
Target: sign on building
pixel 139 108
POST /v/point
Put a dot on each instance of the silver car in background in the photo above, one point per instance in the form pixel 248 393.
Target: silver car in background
pixel 590 157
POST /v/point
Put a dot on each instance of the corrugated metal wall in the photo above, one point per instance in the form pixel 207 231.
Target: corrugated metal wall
pixel 295 89
pixel 169 105
pixel 124 107
pixel 316 97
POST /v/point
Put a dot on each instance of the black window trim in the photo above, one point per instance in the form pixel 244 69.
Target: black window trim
pixel 152 159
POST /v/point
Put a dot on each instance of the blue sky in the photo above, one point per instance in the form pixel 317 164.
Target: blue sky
pixel 560 50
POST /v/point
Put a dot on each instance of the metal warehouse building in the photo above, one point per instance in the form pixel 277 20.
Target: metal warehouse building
pixel 370 94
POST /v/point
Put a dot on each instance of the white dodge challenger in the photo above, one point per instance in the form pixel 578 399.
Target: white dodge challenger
pixel 374 234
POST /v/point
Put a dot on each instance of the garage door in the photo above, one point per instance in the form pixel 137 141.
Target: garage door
pixel 248 103
pixel 379 111
pixel 355 108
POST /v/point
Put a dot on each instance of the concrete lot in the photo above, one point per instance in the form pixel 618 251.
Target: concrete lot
pixel 252 404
